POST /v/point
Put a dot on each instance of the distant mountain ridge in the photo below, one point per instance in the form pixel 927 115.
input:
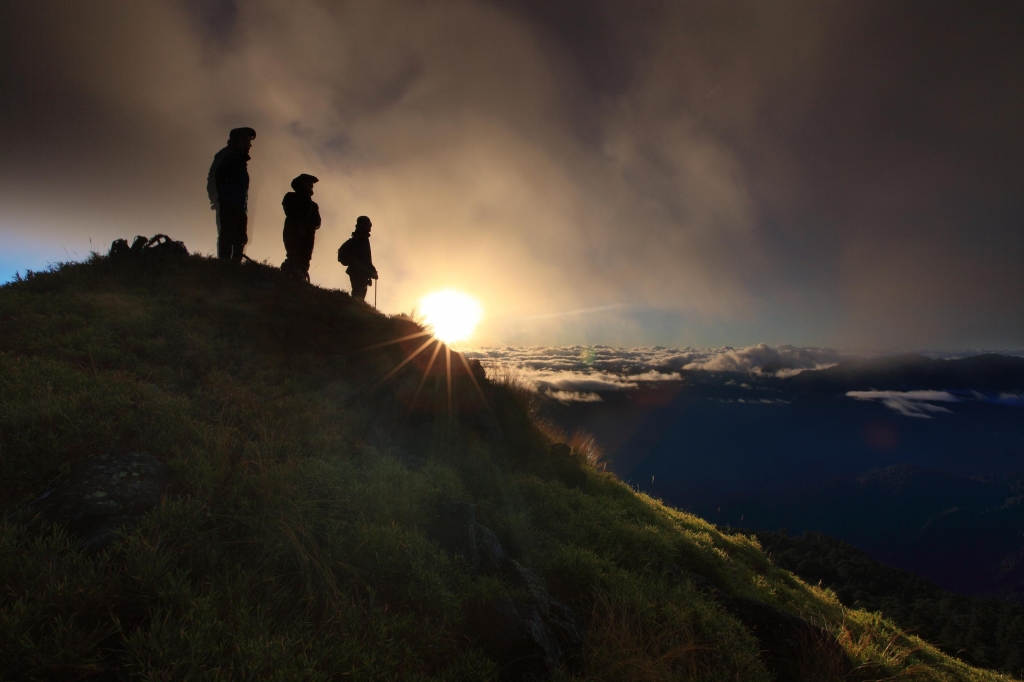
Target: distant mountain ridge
pixel 982 631
pixel 964 533
pixel 990 372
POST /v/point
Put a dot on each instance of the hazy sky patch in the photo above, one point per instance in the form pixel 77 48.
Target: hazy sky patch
pixel 683 173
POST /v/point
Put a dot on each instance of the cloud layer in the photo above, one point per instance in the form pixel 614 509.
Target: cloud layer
pixel 781 361
pixel 677 173
pixel 921 403
pixel 579 372
pixel 909 403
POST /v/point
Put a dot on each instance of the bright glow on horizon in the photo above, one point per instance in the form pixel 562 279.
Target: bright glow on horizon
pixel 451 315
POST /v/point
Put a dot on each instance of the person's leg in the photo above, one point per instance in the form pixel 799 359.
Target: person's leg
pixel 289 266
pixel 304 256
pixel 358 287
pixel 302 267
pixel 228 228
pixel 233 236
pixel 308 253
pixel 223 246
pixel 241 239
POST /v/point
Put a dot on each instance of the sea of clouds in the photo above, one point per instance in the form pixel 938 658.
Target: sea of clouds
pixel 580 373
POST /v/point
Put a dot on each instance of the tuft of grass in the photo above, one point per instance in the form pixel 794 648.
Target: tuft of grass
pixel 585 447
pixel 514 382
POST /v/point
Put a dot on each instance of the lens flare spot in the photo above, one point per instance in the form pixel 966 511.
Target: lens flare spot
pixel 450 315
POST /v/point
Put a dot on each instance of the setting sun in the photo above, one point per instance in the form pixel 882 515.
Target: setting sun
pixel 451 315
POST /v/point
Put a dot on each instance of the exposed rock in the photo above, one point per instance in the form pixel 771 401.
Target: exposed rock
pixel 560 450
pixel 104 493
pixel 527 638
pixel 568 628
pixel 793 649
pixel 492 555
pixel 516 637
pixel 518 576
pixel 567 467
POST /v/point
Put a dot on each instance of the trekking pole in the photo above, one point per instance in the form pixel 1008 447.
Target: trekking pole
pixel 375 286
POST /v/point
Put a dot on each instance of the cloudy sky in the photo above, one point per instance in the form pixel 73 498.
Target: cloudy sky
pixel 844 174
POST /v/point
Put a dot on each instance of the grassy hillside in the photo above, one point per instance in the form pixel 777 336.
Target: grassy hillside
pixel 985 632
pixel 304 534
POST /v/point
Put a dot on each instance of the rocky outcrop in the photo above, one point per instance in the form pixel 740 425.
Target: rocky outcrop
pixel 567 466
pixel 516 636
pixel 529 638
pixel 104 493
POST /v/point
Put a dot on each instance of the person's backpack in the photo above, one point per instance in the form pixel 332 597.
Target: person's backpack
pixel 345 252
pixel 162 246
pixel 119 248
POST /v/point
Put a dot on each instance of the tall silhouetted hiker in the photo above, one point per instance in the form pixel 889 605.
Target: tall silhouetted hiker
pixel 355 253
pixel 228 187
pixel 302 220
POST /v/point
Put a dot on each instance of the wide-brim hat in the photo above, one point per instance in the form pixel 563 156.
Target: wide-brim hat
pixel 297 182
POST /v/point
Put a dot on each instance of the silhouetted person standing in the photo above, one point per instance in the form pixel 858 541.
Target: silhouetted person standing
pixel 228 187
pixel 302 220
pixel 356 254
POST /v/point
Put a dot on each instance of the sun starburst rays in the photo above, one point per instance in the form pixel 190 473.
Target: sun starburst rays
pixel 449 316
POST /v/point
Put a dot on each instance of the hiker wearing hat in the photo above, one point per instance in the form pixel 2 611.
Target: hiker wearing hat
pixel 301 221
pixel 228 188
pixel 355 253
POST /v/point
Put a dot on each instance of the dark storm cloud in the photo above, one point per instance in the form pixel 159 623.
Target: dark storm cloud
pixel 842 173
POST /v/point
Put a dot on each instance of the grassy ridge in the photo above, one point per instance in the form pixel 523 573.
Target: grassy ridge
pixel 298 545
pixel 986 632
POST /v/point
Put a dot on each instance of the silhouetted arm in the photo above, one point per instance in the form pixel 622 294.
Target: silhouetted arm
pixel 314 217
pixel 211 178
pixel 372 271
